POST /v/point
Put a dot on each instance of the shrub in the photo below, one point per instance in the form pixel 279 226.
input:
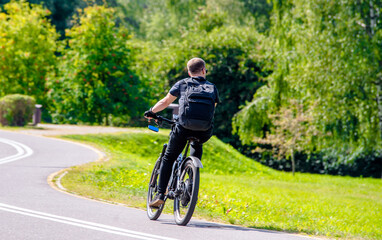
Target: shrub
pixel 366 164
pixel 16 110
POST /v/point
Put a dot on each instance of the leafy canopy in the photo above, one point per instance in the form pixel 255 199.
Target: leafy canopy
pixel 324 56
pixel 95 82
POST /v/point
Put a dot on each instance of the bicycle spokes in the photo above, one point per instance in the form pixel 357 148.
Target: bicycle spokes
pixel 186 190
pixel 185 197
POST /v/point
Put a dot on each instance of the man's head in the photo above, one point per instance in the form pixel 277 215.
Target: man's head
pixel 196 67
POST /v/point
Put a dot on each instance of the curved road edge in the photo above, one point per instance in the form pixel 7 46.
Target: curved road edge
pixel 54 179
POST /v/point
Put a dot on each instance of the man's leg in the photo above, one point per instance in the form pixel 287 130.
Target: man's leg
pixel 175 146
pixel 196 149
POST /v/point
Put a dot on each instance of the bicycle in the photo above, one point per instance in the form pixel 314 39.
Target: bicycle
pixel 183 185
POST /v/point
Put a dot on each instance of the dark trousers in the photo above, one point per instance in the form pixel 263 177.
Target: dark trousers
pixel 176 144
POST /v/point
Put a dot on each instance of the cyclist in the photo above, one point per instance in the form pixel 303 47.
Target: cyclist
pixel 195 87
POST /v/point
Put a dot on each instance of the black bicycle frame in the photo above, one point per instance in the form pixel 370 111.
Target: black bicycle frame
pixel 175 174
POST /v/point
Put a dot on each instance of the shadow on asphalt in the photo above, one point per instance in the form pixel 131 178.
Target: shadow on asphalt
pixel 217 226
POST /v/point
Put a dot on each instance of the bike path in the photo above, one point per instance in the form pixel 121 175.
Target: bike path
pixel 31 209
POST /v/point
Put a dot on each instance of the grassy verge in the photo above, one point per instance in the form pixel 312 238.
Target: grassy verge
pixel 236 190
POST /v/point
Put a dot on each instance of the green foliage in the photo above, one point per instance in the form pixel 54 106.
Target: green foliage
pixel 260 9
pixel 16 110
pixel 27 50
pixel 234 189
pixel 323 55
pixel 162 19
pixel 157 19
pixel 366 164
pixel 291 132
pixel 233 64
pixel 95 81
pixel 253 119
pixel 63 11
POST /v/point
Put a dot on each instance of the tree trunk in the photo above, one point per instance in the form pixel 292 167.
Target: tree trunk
pixel 293 162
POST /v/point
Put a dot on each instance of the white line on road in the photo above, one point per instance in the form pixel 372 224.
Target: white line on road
pixel 23 151
pixel 80 223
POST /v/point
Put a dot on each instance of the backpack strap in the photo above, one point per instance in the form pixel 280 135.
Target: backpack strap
pixel 186 83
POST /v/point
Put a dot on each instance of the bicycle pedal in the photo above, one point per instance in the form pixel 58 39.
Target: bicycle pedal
pixel 171 195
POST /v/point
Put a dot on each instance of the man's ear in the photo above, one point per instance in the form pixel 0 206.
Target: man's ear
pixel 189 74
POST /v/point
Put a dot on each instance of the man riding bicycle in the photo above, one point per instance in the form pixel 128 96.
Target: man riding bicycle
pixel 197 101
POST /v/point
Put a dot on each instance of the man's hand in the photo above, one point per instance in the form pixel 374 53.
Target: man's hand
pixel 149 114
pixel 159 106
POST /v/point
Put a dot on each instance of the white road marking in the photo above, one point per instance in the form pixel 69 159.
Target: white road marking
pixel 23 151
pixel 81 223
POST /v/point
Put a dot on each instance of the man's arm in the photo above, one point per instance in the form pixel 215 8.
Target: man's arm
pixel 163 103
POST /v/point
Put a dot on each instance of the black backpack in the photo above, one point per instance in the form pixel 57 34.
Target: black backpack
pixel 197 111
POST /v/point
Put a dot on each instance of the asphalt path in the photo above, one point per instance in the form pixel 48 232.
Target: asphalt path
pixel 31 209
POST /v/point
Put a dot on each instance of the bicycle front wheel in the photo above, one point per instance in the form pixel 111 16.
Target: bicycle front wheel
pixel 184 204
pixel 153 213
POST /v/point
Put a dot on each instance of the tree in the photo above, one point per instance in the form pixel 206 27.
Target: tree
pixel 290 133
pixel 63 11
pixel 324 56
pixel 27 50
pixel 95 83
pixel 370 21
pixel 164 19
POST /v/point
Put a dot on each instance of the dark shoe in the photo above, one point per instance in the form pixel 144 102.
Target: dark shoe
pixel 158 200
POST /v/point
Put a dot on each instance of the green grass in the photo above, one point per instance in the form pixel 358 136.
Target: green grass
pixel 235 189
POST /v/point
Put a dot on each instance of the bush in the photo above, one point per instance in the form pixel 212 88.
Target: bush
pixel 16 110
pixel 366 164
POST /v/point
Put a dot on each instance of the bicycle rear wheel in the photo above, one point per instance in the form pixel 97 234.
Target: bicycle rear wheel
pixel 153 213
pixel 184 204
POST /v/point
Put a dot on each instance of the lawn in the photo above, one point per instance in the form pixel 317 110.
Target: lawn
pixel 235 189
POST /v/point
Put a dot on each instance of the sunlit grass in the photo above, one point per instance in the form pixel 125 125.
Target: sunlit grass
pixel 237 190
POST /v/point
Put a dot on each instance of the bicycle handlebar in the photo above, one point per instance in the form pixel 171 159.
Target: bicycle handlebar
pixel 160 118
pixel 158 121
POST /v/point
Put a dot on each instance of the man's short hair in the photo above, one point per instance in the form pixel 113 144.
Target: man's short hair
pixel 196 65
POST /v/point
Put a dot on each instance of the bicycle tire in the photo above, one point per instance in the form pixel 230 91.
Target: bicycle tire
pixel 153 213
pixel 180 201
